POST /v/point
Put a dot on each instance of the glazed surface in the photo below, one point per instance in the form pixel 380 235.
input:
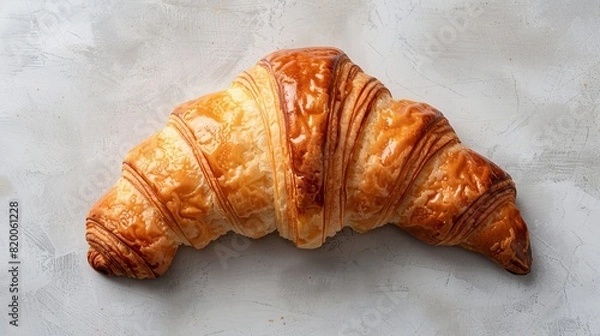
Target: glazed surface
pixel 303 143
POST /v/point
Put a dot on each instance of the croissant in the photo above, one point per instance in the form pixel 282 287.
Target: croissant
pixel 303 143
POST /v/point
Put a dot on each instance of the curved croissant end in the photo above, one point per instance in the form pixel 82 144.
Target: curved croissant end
pixel 511 249
pixel 499 232
pixel 126 235
pixel 110 256
pixel 303 143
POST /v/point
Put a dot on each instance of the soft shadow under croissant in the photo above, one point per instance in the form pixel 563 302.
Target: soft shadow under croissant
pixel 303 143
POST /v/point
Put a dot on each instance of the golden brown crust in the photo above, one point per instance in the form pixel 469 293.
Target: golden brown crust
pixel 303 143
pixel 303 85
pixel 127 235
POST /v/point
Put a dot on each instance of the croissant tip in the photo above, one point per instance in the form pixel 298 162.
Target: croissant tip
pixel 109 255
pixel 505 240
pixel 520 264
pixel 99 262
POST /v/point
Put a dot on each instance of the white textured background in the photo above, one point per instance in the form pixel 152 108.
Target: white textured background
pixel 82 82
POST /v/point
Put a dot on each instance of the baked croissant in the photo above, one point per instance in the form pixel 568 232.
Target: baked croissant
pixel 304 143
